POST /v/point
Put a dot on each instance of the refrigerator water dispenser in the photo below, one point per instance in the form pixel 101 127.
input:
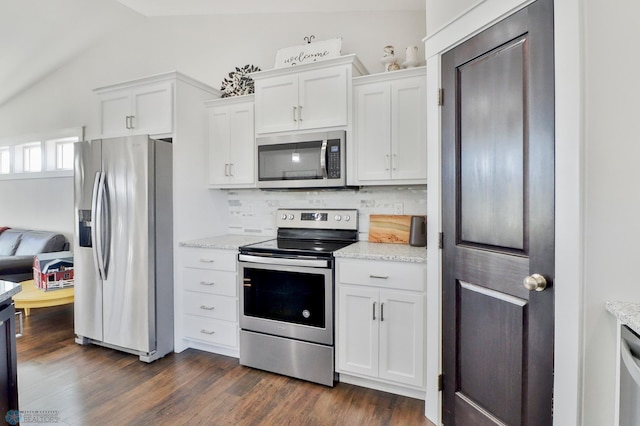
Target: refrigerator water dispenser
pixel 84 228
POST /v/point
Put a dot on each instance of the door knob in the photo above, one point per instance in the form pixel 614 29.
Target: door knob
pixel 535 282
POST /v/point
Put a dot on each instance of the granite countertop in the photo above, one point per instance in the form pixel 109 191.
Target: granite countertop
pixel 627 313
pixel 358 250
pixel 8 289
pixel 383 251
pixel 226 242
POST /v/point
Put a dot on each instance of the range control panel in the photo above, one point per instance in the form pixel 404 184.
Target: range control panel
pixel 317 219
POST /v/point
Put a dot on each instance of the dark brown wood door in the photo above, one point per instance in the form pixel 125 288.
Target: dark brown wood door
pixel 498 223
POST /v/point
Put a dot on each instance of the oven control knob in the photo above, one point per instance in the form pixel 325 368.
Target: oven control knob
pixel 338 218
pixel 283 217
pixel 290 217
pixel 347 218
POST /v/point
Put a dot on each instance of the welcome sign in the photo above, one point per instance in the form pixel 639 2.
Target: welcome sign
pixel 307 53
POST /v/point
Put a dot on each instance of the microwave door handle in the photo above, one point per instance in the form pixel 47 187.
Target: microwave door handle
pixel 323 159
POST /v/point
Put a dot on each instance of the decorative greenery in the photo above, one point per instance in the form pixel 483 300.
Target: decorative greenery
pixel 239 82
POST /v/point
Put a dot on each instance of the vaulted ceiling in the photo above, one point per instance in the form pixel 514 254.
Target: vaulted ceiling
pixel 212 7
pixel 39 36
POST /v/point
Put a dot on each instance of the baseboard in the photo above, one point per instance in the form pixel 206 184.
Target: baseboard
pixel 384 387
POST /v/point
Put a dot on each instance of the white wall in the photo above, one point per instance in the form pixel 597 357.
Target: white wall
pixel 612 199
pixel 44 204
pixel 440 13
pixel 205 48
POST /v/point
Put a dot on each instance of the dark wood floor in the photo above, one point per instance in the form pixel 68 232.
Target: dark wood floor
pixel 81 385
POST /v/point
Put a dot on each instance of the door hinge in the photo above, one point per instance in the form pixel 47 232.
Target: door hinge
pixel 441 240
pixel 440 383
pixel 440 97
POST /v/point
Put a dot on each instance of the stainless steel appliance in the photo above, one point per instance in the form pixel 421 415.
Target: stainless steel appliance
pixel 287 294
pixel 629 410
pixel 123 245
pixel 310 160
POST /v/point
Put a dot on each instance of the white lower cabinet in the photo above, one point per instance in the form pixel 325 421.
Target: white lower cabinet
pixel 209 299
pixel 381 322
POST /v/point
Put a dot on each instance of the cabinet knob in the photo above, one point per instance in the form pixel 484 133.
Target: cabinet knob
pixel 535 282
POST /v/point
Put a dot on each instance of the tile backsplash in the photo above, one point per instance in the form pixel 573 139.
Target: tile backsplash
pixel 253 211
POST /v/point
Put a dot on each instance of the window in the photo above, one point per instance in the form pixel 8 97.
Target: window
pixel 5 160
pixel 64 152
pixel 37 156
pixel 31 157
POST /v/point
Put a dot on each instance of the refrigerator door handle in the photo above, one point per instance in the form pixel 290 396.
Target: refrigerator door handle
pixel 98 226
pixel 94 223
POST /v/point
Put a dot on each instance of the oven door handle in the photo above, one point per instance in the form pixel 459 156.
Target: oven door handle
pixel 630 362
pixel 314 263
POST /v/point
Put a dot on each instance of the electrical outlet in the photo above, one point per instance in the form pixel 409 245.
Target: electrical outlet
pixel 398 208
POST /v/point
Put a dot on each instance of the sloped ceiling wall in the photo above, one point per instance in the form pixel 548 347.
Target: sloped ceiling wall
pixel 218 7
pixel 37 37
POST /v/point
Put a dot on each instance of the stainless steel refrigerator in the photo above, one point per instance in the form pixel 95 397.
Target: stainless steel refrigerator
pixel 123 263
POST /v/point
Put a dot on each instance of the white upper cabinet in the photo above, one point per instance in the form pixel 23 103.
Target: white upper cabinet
pixel 231 142
pixel 309 96
pixel 276 103
pixel 136 110
pixel 390 128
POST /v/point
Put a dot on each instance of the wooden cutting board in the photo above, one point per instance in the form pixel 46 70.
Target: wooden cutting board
pixel 389 228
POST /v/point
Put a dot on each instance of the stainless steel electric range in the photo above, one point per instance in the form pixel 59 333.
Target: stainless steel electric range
pixel 287 294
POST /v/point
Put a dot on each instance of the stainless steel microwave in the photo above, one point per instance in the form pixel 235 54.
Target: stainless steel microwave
pixel 310 160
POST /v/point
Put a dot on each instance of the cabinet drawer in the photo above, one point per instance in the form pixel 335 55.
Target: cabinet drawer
pixel 396 275
pixel 221 260
pixel 209 281
pixel 211 330
pixel 210 305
